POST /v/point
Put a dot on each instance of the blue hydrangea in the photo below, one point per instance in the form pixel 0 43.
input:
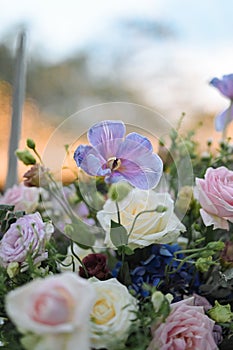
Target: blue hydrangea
pixel 154 271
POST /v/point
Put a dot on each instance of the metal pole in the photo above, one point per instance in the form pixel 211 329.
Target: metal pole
pixel 17 107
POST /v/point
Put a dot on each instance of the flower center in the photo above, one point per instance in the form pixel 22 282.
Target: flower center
pixel 114 163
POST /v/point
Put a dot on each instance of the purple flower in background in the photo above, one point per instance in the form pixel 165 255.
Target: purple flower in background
pixel 117 158
pixel 225 86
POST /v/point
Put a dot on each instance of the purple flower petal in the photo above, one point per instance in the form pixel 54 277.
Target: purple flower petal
pixel 90 161
pixel 80 153
pixel 223 119
pixel 135 137
pixel 138 173
pixel 224 85
pixel 117 159
pixel 139 165
pixel 106 137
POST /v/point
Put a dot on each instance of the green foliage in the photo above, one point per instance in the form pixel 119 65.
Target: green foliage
pixel 118 234
pixel 8 216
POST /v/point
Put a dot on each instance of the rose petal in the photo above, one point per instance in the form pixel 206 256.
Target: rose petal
pixel 209 220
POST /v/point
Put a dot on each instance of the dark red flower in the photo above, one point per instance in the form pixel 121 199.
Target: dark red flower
pixel 96 266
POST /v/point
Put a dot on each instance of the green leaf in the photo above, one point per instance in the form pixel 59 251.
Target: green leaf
pixel 80 233
pixel 125 249
pixel 118 234
pixel 4 208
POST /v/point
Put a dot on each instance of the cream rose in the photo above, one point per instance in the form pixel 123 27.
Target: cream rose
pixel 159 226
pixel 56 308
pixel 112 313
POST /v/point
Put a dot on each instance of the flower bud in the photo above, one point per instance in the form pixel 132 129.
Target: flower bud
pixel 221 313
pixel 219 245
pixel 119 191
pixel 157 300
pixel 161 303
pixel 13 269
pixel 26 157
pixel 203 264
pixel 31 144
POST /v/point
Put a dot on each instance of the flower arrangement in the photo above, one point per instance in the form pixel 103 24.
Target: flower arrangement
pixel 124 257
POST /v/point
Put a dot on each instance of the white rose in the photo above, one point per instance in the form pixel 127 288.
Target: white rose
pixel 160 226
pixel 56 308
pixel 112 313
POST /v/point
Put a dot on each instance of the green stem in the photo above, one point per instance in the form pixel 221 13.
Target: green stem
pixel 38 156
pixel 78 258
pixel 136 217
pixel 118 213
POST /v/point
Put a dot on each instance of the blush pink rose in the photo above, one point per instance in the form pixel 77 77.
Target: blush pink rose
pixel 215 194
pixel 56 308
pixel 22 197
pixel 186 328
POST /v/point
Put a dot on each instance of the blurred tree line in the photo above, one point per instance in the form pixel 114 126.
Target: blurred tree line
pixel 62 88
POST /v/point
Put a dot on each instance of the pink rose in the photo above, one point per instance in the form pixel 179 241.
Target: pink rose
pixel 28 235
pixel 22 197
pixel 186 328
pixel 215 194
pixel 56 309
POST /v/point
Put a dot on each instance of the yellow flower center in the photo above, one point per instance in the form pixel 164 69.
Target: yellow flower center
pixel 103 311
pixel 114 163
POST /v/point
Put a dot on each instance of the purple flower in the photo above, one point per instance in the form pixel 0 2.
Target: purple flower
pixel 117 158
pixel 225 86
pixel 28 235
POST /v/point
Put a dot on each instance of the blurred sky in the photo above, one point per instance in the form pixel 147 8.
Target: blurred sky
pixel 173 73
